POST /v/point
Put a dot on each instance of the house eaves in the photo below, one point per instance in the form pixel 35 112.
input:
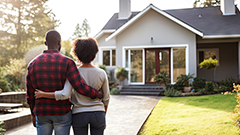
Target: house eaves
pixel 103 32
pixel 135 18
pixel 221 36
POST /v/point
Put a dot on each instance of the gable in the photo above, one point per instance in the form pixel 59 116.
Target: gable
pixel 153 24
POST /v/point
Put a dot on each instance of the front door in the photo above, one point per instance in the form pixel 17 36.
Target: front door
pixel 156 60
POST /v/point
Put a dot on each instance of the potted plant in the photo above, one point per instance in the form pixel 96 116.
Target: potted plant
pixel 162 78
pixel 121 74
pixel 210 64
pixel 185 80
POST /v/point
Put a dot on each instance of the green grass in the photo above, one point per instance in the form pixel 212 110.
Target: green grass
pixel 196 115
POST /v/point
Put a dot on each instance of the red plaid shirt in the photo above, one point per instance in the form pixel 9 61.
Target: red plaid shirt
pixel 48 72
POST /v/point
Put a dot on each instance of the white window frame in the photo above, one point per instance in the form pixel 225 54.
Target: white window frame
pixel 174 46
pixel 208 49
pixel 107 48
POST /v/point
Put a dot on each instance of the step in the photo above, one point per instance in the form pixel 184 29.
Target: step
pixel 146 90
pixel 140 93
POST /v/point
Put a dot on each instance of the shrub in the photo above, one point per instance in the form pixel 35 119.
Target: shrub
pixel 178 85
pixel 198 83
pixel 185 78
pixel 162 78
pixel 223 88
pixel 15 73
pixel 4 86
pixel 2 130
pixel 114 91
pixel 236 113
pixel 172 93
pixel 228 83
pixel 210 87
pixel 121 72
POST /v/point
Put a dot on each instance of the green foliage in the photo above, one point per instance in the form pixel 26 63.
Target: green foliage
pixel 114 91
pixel 121 72
pixel 15 73
pixel 2 130
pixel 4 86
pixel 206 3
pixel 179 85
pixel 162 78
pixel 172 93
pixel 24 24
pixel 199 83
pixel 66 47
pixel 236 113
pixel 227 84
pixel 210 86
pixel 209 63
pixel 185 78
pixel 83 31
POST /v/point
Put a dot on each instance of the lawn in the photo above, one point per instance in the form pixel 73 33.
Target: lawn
pixel 196 115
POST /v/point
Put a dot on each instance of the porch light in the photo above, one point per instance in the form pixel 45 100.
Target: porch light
pixel 151 39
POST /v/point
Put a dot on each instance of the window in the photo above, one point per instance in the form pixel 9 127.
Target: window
pixel 109 57
pixel 207 53
pixel 179 63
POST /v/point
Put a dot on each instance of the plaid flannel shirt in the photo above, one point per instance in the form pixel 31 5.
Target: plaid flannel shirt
pixel 48 72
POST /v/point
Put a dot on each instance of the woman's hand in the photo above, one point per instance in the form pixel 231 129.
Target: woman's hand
pixel 38 93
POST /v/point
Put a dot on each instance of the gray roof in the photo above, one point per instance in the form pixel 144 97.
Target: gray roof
pixel 208 20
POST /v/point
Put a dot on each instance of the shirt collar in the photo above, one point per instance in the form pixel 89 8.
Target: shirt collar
pixel 51 51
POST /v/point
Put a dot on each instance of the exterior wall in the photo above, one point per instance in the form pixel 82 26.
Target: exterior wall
pixel 165 32
pixel 228 62
pixel 103 44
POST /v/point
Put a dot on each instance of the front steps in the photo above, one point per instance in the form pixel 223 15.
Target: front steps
pixel 142 90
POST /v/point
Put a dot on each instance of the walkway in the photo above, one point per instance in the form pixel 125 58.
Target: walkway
pixel 126 114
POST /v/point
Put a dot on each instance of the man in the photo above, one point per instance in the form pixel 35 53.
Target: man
pixel 48 72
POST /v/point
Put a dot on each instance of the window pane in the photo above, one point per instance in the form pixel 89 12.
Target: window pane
pixel 106 58
pixel 136 66
pixel 126 60
pixel 201 56
pixel 150 65
pixel 178 63
pixel 210 53
pixel 113 58
pixel 164 61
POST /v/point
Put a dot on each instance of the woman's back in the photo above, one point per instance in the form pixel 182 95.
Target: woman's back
pixel 96 78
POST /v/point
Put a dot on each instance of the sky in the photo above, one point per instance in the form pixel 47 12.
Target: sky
pixel 98 12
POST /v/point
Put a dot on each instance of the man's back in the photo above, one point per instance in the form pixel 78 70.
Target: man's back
pixel 48 72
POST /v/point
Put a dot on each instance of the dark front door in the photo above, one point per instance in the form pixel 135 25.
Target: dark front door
pixel 156 60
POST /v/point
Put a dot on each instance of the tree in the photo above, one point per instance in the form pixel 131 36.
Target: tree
pixel 82 31
pixel 24 24
pixel 206 3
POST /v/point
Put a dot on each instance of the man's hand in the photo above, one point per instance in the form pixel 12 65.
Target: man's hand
pixel 100 94
pixel 34 120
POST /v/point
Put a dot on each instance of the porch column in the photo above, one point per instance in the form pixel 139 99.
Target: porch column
pixel 239 60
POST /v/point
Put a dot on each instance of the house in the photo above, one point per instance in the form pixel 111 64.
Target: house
pixel 175 41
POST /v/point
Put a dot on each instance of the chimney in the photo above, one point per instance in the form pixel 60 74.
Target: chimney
pixel 228 7
pixel 124 9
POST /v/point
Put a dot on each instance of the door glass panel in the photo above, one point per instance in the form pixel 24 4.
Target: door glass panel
pixel 150 65
pixel 164 60
pixel 136 66
pixel 113 58
pixel 178 63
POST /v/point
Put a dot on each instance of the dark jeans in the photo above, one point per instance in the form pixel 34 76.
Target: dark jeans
pixel 96 120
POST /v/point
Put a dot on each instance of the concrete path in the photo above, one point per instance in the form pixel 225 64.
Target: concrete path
pixel 126 114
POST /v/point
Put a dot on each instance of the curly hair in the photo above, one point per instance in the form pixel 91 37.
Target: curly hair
pixel 84 50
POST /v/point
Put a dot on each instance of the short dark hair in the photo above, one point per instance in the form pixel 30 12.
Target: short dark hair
pixel 85 49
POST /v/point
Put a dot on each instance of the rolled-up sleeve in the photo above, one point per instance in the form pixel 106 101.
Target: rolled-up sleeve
pixel 65 93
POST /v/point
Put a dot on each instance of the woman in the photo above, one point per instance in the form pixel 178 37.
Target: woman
pixel 85 110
